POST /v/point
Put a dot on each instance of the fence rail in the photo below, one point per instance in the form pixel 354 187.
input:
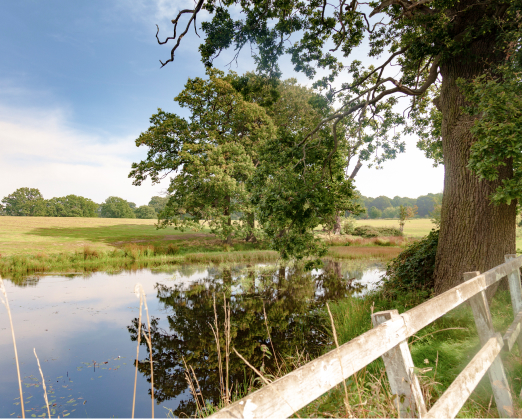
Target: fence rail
pixel 388 339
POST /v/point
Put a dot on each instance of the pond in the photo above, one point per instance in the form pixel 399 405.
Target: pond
pixel 83 328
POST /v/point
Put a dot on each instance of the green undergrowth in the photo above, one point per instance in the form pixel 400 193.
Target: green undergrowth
pixel 440 352
pixel 130 257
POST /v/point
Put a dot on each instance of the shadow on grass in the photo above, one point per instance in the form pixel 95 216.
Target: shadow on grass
pixel 118 234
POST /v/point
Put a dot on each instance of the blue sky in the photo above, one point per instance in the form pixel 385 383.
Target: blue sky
pixel 79 82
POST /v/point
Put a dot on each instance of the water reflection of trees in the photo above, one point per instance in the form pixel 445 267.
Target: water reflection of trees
pixel 292 299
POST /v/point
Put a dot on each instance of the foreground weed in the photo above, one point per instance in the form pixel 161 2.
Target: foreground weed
pixel 140 292
pixel 43 383
pixel 5 301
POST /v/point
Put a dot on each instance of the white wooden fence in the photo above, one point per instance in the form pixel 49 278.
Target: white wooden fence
pixel 388 339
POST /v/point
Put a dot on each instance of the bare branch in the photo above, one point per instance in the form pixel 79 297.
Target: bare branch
pixel 175 23
pixel 432 77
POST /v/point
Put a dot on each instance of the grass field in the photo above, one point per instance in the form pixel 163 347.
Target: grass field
pixel 419 227
pixel 31 235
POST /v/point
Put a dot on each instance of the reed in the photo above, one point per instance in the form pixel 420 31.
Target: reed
pixel 138 294
pixel 227 347
pixel 5 301
pixel 346 400
pixel 215 331
pixel 43 384
pixel 139 291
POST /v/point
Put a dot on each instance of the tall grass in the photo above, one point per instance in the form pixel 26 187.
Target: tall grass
pixel 440 351
pixel 128 257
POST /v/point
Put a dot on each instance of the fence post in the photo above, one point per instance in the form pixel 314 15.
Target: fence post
pixel 399 369
pixel 516 296
pixel 497 376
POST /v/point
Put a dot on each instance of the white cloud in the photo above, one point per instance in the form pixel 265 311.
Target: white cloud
pixel 39 150
pixel 411 174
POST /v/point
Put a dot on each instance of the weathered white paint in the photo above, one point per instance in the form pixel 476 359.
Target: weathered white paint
pixel 485 330
pixel 513 332
pixel 295 390
pixel 429 311
pixel 400 371
pixel 458 392
pixel 515 289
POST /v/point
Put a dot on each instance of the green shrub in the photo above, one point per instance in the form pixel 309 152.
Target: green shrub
pixel 413 268
pixel 365 231
pixel 348 226
pixel 389 231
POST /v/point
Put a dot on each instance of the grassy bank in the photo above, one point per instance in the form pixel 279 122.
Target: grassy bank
pixel 48 244
pixel 130 257
pixel 440 352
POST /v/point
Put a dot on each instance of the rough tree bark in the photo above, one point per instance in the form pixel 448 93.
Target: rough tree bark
pixel 475 234
pixel 229 221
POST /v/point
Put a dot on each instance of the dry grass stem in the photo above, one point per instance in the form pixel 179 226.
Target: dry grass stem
pixel 264 380
pixel 6 303
pixel 436 331
pixel 148 339
pixel 43 383
pixel 227 347
pixel 270 338
pixel 138 294
pixel 188 377
pixel 334 331
pixel 215 331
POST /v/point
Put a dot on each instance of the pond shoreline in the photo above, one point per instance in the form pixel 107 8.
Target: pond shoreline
pixel 139 257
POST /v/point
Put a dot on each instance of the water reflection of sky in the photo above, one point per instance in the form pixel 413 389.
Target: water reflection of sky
pixel 74 321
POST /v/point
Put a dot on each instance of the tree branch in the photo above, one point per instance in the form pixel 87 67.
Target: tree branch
pixel 175 23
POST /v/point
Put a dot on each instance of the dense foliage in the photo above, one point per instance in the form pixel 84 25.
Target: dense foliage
pixel 237 159
pixel 71 206
pixel 24 202
pixel 371 231
pixel 497 98
pixel 115 207
pixel 145 211
pixel 413 268
pixel 213 154
pixel 386 207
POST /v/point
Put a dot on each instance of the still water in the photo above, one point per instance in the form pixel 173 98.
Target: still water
pixel 84 330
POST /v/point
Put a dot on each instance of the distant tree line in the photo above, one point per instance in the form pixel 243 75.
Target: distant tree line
pixel 384 207
pixel 29 202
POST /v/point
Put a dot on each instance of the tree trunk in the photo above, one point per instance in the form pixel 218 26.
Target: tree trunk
pixel 475 234
pixel 251 221
pixel 337 224
pixel 229 220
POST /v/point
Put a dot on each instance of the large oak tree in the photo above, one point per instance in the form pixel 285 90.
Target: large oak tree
pixel 428 51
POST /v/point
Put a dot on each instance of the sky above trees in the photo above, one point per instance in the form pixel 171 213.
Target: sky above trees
pixel 79 82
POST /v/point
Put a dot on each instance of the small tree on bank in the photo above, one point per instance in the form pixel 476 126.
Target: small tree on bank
pixel 213 153
pixel 406 213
